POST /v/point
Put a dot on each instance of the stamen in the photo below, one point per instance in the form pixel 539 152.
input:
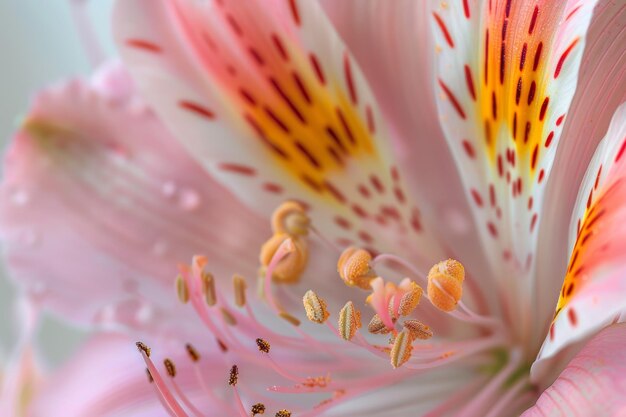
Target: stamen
pixel 181 290
pixel 418 330
pixel 283 413
pixel 208 289
pixel 376 326
pixel 445 284
pixel 257 408
pixel 239 284
pixel 315 307
pixel 349 321
pixel 193 353
pixel 143 348
pixel 401 349
pixel 263 345
pixel 234 375
pixel 170 367
pixel 410 300
pixel 232 381
pixel 290 218
pixel 292 259
pixel 354 268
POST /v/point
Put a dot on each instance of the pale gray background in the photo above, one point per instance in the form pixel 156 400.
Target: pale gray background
pixel 39 44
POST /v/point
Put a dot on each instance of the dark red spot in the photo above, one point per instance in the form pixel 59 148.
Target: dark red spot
pixel 444 30
pixel 487 132
pixel 370 119
pixel 544 108
pixel 377 184
pixel 522 58
pixel 197 109
pixel 537 56
pixel 486 56
pixel 234 25
pixel 294 11
pixel 317 68
pixel 343 223
pixel 531 92
pixel 533 222
pixel 514 126
pixel 349 80
pixel 335 138
pixel 533 20
pixel 560 120
pixel 301 87
pixel 571 315
pixel 469 149
pixel 335 192
pixel 256 56
pixel 395 174
pixel 530 203
pixel 518 91
pixel 541 175
pixel 552 332
pixel 527 132
pixel 237 168
pixel 307 154
pixel 287 100
pixel 272 188
pixel 500 166
pixel 359 211
pixel 311 183
pixel 492 229
pixel 564 55
pixel 466 9
pixel 502 62
pixel 492 195
pixel 595 186
pixel 346 126
pixel 507 9
pixel 573 11
pixel 477 198
pixel 364 191
pixel 549 139
pixel 365 237
pixel 621 151
pixel 590 199
pixel 453 100
pixel 145 45
pixel 533 162
pixel 494 106
pixel 399 195
pixel 280 47
pixel 247 96
pixel 415 221
pixel 470 82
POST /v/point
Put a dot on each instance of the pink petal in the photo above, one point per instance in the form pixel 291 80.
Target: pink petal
pixel 594 288
pixel 269 99
pixel 585 124
pixel 99 204
pixel 594 382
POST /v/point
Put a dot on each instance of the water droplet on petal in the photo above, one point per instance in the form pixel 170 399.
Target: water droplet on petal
pixel 168 189
pixel 189 199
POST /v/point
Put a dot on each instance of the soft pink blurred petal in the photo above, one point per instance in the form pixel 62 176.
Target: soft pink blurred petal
pixel 594 382
pixel 99 204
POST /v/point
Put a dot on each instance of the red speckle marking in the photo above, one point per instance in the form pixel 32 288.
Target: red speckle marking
pixel 257 57
pixel 530 203
pixel 522 58
pixel 197 109
pixel 500 166
pixel 573 11
pixel 560 120
pixel 272 188
pixel 466 9
pixel 317 68
pixel 378 185
pixel 533 20
pixel 571 315
pixel 533 162
pixel 349 80
pixel 294 11
pixel 470 82
pixel 364 191
pixel 477 198
pixel 537 56
pixel 415 221
pixel 492 229
pixel 234 25
pixel 335 192
pixel 620 153
pixel 564 55
pixel 531 92
pixel 533 222
pixel 370 119
pixel 303 91
pixel 469 149
pixel 359 211
pixel 395 175
pixel 280 47
pixel 552 332
pixel 247 96
pixel 237 168
pixel 343 222
pixel 455 103
pixel 542 173
pixel 399 195
pixel 590 199
pixel 595 186
pixel 145 45
pixel 365 237
pixel 549 139
pixel 492 195
pixel 544 108
pixel 444 30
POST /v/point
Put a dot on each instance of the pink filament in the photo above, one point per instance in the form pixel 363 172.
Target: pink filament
pixel 240 407
pixel 186 400
pixel 172 404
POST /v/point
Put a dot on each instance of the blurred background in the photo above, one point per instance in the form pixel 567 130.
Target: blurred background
pixel 40 44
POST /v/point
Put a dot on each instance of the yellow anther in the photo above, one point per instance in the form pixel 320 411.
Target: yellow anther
pixel 258 408
pixel 315 307
pixel 349 321
pixel 445 284
pixel 418 330
pixel 208 288
pixel 290 218
pixel 234 375
pixel 170 367
pixel 239 284
pixel 401 349
pixel 354 268
pixel 192 352
pixel 377 326
pixel 289 269
pixel 228 317
pixel 411 299
pixel 181 289
pixel 283 413
pixel 288 317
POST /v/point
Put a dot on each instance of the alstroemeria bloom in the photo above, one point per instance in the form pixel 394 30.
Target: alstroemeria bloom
pixel 102 205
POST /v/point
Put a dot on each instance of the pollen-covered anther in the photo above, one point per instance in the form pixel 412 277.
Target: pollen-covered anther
pixel 263 345
pixel 315 307
pixel 258 408
pixel 290 218
pixel 143 348
pixel 208 289
pixel 349 321
pixel 376 326
pixel 288 269
pixel 239 284
pixel 182 291
pixel 170 367
pixel 401 349
pixel 283 413
pixel 234 375
pixel 410 299
pixel 354 268
pixel 418 330
pixel 445 284
pixel 192 352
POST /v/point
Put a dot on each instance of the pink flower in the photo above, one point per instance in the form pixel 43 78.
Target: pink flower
pixel 337 115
